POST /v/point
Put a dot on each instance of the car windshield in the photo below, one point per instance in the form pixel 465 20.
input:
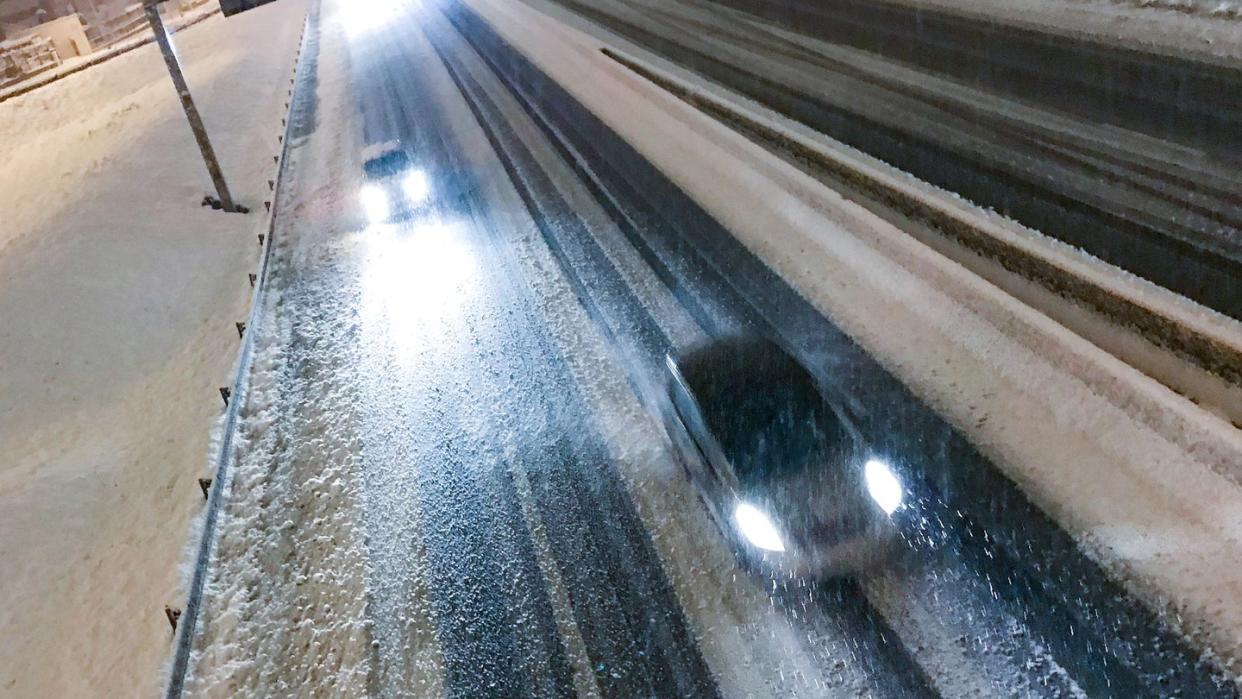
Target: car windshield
pixel 764 410
pixel 386 165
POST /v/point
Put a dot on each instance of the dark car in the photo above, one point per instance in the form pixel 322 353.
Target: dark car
pixel 784 472
pixel 394 188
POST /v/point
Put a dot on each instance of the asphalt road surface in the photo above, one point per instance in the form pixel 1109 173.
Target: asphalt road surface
pixel 527 531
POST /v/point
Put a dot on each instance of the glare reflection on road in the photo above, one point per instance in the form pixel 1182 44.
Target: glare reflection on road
pixel 418 281
pixel 416 187
pixel 363 17
pixel 375 203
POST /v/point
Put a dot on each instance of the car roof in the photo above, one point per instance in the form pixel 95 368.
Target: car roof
pixel 737 362
pixel 387 163
pixel 374 150
pixel 762 406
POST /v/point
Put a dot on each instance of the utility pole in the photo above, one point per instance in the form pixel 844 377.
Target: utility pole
pixel 187 103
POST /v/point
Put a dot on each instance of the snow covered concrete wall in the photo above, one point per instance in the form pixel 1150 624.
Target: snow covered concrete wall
pixel 1212 8
pixel 1204 29
pixel 119 294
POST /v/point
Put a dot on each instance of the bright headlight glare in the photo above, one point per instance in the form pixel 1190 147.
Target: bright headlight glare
pixel 883 485
pixel 375 202
pixel 757 528
pixel 415 187
pixel 362 17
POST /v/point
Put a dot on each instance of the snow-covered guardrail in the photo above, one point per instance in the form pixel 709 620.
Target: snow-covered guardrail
pixel 235 396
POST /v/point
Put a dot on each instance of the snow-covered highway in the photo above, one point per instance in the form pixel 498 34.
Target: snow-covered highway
pixel 448 475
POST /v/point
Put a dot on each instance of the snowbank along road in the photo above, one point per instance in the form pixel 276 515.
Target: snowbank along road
pixel 446 478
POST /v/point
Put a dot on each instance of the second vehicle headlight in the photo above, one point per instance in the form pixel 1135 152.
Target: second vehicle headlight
pixel 415 187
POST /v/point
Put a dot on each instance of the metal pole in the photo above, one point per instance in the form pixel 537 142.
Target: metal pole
pixel 187 103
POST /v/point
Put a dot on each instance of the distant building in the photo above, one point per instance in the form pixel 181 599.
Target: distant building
pixel 21 58
pixel 44 46
pixel 67 34
pixel 38 35
pixel 16 15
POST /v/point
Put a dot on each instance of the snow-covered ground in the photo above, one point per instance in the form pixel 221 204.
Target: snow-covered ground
pixel 118 294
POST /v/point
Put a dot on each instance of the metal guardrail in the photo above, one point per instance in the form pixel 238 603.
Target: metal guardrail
pixel 227 453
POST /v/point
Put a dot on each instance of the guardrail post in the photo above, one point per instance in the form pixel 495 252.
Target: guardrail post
pixel 187 103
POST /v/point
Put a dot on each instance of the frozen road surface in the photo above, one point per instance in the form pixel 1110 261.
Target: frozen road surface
pixel 443 469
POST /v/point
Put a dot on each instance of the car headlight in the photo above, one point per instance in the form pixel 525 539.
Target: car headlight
pixel 415 187
pixel 375 202
pixel 757 527
pixel 883 485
